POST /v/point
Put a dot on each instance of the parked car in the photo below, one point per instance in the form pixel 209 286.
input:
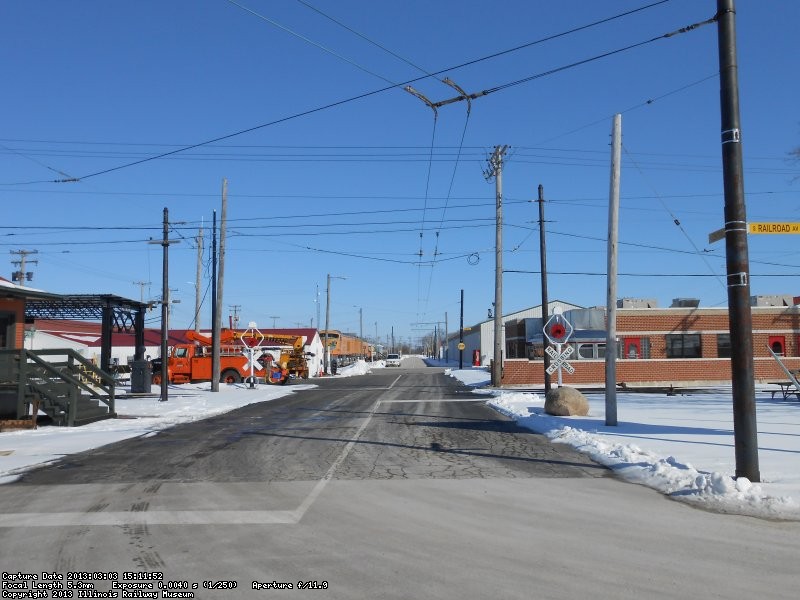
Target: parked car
pixel 392 360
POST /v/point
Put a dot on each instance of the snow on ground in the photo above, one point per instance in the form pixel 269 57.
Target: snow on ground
pixel 22 450
pixel 680 445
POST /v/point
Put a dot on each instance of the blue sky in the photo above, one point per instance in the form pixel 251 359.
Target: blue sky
pixel 358 190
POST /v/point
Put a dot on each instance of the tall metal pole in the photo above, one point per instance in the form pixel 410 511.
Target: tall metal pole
pixel 318 308
pixel 545 301
pixel 738 265
pixel 497 171
pixel 327 324
pixel 446 341
pixel 611 298
pixel 215 310
pixel 461 334
pixel 165 309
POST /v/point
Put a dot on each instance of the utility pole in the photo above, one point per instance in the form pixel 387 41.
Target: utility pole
pixel 141 285
pixel 545 301
pixel 221 267
pixel 327 324
pixel 215 320
pixel 165 242
pixel 198 279
pixel 496 170
pixel 318 308
pixel 446 341
pixel 22 275
pixel 738 265
pixel 274 320
pixel 461 334
pixel 611 298
pixel 217 294
pixel 235 308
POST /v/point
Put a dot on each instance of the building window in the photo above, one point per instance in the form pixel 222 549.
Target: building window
pixel 633 348
pixel 683 345
pixel 724 345
pixel 589 350
pixel 777 344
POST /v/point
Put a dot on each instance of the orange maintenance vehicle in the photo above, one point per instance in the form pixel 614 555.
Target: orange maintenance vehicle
pixel 189 363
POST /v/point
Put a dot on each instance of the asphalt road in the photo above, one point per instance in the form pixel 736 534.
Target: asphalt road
pixel 397 484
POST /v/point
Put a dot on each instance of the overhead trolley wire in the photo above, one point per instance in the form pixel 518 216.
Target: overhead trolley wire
pixel 386 88
pixel 677 222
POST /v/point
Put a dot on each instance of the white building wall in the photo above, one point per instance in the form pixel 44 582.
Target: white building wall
pixel 316 348
pixel 481 336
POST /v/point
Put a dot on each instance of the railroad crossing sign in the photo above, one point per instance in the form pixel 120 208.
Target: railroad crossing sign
pixel 560 360
pixel 256 339
pixel 557 329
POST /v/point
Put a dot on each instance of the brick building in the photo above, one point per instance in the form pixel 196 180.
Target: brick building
pixel 681 345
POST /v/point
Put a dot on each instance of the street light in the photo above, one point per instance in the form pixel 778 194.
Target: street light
pixel 327 323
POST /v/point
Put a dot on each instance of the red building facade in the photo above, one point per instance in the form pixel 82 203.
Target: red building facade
pixel 670 346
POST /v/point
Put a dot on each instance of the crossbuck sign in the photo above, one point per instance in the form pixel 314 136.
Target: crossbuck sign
pixel 558 330
pixel 560 360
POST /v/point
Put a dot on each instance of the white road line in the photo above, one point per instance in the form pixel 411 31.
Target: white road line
pixel 208 517
pixel 187 517
pixel 432 400
pixel 395 381
pixel 155 517
pixel 309 500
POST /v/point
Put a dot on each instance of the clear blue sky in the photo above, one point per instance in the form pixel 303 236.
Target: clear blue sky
pixel 347 190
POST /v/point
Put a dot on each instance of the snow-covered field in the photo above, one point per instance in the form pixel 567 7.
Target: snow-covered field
pixel 681 445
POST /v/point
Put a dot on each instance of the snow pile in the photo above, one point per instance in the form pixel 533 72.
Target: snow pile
pixel 360 367
pixel 659 422
pixel 24 449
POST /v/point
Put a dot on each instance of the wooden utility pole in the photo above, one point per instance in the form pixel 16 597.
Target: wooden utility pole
pixel 197 280
pixel 327 325
pixel 545 301
pixel 215 320
pixel 496 170
pixel 461 334
pixel 22 275
pixel 165 308
pixel 220 282
pixel 164 243
pixel 611 297
pixel 738 264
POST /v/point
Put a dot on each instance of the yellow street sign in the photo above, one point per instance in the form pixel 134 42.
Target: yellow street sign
pixel 774 227
pixel 461 345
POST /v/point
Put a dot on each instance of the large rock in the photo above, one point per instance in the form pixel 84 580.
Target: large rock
pixel 566 402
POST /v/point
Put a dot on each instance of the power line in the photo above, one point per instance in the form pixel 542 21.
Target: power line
pixel 312 42
pixel 381 90
pixel 365 38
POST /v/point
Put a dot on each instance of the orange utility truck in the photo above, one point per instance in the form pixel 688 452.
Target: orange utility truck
pixel 188 363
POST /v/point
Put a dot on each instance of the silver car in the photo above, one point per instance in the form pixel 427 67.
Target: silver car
pixel 392 360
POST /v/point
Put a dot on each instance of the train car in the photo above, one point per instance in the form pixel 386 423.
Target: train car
pixel 346 347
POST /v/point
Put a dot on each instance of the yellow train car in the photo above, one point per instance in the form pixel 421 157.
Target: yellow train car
pixel 347 348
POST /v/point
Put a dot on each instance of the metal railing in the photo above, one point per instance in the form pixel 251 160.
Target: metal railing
pixel 59 383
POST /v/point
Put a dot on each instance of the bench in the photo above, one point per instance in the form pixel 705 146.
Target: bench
pixel 787 389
